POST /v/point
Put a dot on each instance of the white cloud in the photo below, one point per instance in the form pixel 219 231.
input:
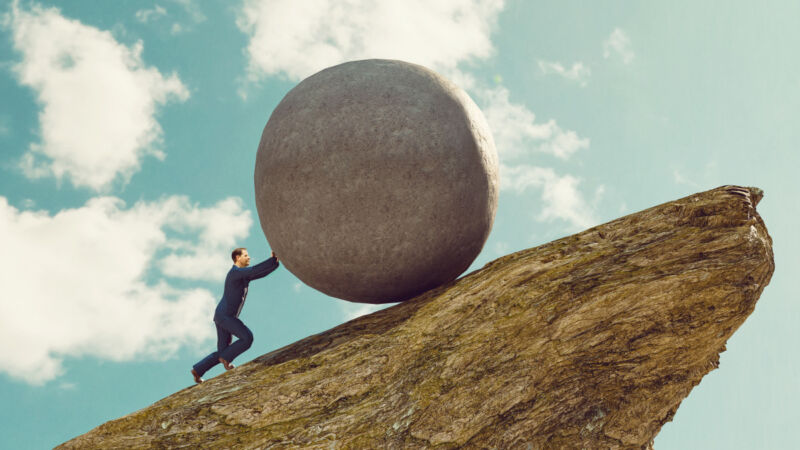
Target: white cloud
pixel 297 39
pixel 220 229
pixel 352 310
pixel 193 10
pixel 560 196
pixel 680 179
pixel 563 201
pixel 79 283
pixel 98 98
pixel 5 129
pixel 518 138
pixel 145 15
pixel 578 72
pixel 618 43
pixel 194 14
pixel 502 248
pixel 516 133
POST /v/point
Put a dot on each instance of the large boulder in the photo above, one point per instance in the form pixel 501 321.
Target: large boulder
pixel 376 180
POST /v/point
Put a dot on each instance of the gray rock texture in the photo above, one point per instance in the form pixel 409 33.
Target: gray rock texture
pixel 376 180
pixel 588 342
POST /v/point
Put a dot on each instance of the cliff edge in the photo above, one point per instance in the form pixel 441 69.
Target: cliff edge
pixel 588 341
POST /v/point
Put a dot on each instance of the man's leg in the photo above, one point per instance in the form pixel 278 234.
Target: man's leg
pixel 240 330
pixel 223 340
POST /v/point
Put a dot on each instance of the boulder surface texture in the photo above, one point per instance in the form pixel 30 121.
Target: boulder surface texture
pixel 376 180
pixel 590 341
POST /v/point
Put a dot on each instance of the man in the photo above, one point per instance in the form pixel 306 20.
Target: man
pixel 226 317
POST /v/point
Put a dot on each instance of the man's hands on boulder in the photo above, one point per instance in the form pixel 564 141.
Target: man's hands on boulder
pixel 276 258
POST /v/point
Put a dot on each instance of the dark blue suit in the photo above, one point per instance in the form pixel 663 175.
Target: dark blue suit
pixel 226 317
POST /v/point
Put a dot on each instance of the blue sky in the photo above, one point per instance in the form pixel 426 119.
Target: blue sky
pixel 128 134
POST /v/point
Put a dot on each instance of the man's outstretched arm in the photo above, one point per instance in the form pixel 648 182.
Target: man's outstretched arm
pixel 261 269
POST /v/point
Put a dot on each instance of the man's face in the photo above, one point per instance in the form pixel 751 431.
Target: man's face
pixel 244 259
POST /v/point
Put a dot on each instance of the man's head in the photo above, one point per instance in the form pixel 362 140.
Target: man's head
pixel 240 257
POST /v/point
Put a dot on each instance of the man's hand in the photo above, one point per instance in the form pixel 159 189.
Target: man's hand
pixel 276 258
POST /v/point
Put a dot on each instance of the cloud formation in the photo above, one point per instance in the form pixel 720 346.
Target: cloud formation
pixel 98 99
pixel 145 15
pixel 297 39
pixel 294 40
pixel 220 229
pixel 518 138
pixel 351 310
pixel 618 43
pixel 559 194
pixel 578 72
pixel 5 130
pixel 76 283
pixel 516 132
pixel 193 10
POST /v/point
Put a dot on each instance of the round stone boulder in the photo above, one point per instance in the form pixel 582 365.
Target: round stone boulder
pixel 376 180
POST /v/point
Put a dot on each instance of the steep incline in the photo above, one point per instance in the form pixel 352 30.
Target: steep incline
pixel 589 341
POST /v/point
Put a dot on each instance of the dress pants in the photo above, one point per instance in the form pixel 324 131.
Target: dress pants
pixel 226 326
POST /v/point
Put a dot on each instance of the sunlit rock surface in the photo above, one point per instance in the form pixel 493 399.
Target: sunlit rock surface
pixel 590 341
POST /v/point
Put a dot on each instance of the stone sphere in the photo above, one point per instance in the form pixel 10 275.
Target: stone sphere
pixel 376 180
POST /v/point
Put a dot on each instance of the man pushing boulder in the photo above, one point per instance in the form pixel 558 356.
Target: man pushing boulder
pixel 226 316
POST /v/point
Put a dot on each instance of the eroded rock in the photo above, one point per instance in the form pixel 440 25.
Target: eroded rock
pixel 590 341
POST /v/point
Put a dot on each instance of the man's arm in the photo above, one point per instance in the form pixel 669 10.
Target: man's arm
pixel 260 270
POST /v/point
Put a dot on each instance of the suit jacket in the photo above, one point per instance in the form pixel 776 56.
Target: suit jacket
pixel 236 284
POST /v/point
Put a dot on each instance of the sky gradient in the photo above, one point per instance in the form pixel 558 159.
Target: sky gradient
pixel 128 135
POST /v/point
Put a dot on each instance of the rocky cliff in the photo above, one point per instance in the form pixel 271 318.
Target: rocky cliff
pixel 589 341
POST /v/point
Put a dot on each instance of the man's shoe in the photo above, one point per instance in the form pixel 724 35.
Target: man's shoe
pixel 197 378
pixel 228 366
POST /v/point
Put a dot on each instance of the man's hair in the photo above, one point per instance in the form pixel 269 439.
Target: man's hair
pixel 237 252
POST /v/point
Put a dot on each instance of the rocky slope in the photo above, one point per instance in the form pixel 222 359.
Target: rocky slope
pixel 589 341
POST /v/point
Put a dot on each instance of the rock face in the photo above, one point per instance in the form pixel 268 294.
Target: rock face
pixel 376 180
pixel 590 341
